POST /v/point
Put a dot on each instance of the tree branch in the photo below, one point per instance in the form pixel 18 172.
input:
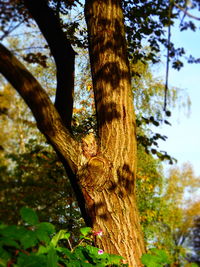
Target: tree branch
pixel 62 52
pixel 186 12
pixel 11 29
pixel 48 119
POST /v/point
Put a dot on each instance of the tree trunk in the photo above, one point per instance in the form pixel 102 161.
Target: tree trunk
pixel 108 180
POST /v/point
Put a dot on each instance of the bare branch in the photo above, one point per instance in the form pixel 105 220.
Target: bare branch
pixel 186 12
pixel 11 29
pixel 28 48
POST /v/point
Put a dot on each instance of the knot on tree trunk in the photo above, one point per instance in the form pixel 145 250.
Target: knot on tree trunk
pixel 94 175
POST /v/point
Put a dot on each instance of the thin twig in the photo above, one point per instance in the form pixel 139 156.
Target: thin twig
pixel 71 248
pixel 186 12
pixel 23 33
pixel 167 67
pixel 28 48
pixel 6 33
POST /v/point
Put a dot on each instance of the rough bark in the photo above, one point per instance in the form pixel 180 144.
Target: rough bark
pixel 110 182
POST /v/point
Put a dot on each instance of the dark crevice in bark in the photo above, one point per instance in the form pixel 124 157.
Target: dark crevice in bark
pixel 76 188
pixel 62 52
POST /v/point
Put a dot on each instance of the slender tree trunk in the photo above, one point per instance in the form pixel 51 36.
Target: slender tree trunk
pixel 62 52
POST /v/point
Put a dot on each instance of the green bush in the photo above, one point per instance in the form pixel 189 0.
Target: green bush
pixel 155 258
pixel 36 244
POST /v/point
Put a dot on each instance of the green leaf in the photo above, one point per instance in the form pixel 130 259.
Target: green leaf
pixel 150 260
pixel 2 226
pixel 92 250
pixel 43 249
pixel 52 258
pixel 13 231
pixel 62 234
pixel 42 236
pixel 85 264
pixel 3 263
pixel 156 257
pixel 67 236
pixel 114 259
pixel 46 227
pixel 9 242
pixel 79 253
pixel 32 260
pixel 29 239
pixel 29 216
pixel 85 230
pixel 161 255
pixel 66 251
pixel 4 254
pixel 193 265
pixel 73 263
pixel 94 257
pixel 44 230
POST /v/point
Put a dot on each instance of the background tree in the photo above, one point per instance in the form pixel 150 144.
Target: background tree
pixel 194 242
pixel 177 213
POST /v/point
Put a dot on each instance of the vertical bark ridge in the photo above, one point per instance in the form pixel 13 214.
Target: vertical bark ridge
pixel 111 77
pixel 121 231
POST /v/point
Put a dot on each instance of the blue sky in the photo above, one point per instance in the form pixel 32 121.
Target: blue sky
pixel 184 135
